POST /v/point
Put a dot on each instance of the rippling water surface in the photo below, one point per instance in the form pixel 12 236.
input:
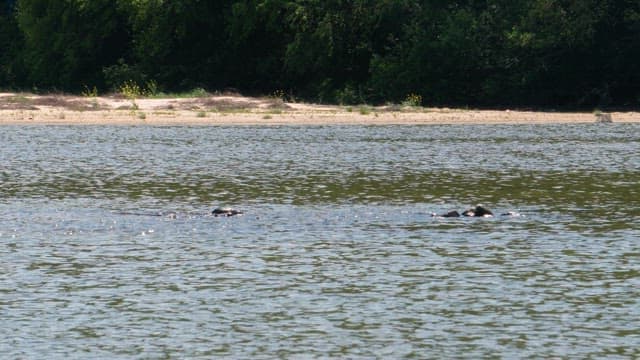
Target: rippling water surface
pixel 108 248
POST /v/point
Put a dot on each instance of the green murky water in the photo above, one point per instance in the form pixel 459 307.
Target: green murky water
pixel 108 250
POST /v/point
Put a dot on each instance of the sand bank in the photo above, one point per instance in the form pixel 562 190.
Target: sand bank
pixel 28 109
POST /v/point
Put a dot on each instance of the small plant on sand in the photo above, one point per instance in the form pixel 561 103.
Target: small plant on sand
pixel 602 117
pixel 151 88
pixel 142 116
pixel 277 99
pixel 280 94
pixel 131 90
pixel 19 99
pixel 201 114
pixel 86 92
pixel 197 93
pixel 413 100
pixel 364 110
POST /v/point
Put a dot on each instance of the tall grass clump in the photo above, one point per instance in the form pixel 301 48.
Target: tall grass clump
pixel 132 90
pixel 87 92
pixel 413 100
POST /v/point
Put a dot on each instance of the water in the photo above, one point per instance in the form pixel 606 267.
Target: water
pixel 108 250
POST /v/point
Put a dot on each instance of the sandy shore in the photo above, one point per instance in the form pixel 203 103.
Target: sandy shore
pixel 28 109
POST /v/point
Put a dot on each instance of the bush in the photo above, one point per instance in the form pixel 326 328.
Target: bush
pixel 349 95
pixel 413 99
pixel 121 74
pixel 131 90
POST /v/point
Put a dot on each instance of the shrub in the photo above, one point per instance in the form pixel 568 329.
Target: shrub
pixel 364 110
pixel 413 99
pixel 349 95
pixel 86 92
pixel 117 75
pixel 131 90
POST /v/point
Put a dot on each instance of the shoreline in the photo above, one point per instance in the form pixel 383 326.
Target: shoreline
pixel 232 109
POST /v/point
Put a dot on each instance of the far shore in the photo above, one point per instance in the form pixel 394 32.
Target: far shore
pixel 233 109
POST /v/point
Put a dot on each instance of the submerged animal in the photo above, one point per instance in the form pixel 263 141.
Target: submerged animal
pixel 225 211
pixel 478 211
pixel 449 214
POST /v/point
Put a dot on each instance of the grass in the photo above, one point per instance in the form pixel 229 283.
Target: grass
pixel 30 102
pixel 196 100
pixel 364 110
pixel 164 113
pixel 194 93
pixel 232 111
pixel 131 90
pixel 413 100
pixel 93 92
pixel 17 102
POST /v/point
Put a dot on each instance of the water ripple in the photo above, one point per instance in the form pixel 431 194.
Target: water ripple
pixel 108 248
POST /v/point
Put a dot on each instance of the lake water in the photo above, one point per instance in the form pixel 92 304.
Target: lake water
pixel 108 248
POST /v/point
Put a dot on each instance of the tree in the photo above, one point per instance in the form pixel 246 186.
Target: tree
pixel 547 53
pixel 11 42
pixel 67 42
pixel 331 47
pixel 180 44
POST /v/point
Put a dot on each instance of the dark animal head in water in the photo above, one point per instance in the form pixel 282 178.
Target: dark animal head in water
pixel 225 212
pixel 478 211
pixel 482 211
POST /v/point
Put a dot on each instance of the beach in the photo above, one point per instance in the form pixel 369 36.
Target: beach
pixel 234 109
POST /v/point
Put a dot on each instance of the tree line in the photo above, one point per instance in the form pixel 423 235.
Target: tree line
pixel 493 53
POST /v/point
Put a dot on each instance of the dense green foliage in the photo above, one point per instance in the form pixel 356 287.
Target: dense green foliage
pixel 567 53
